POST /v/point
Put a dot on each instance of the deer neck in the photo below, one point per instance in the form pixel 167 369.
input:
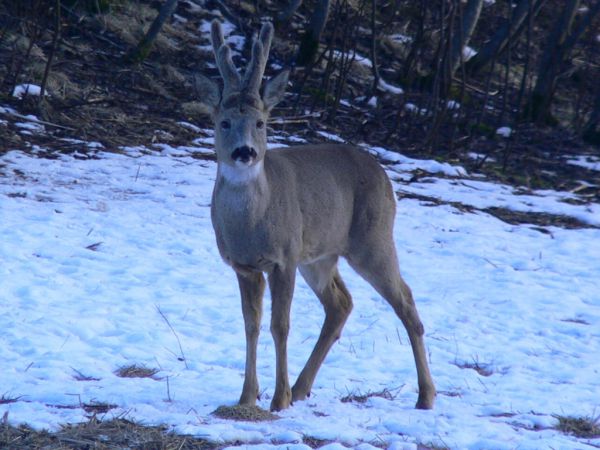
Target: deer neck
pixel 243 191
pixel 240 177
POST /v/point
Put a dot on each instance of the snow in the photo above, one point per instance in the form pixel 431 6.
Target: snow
pixel 30 126
pixel 468 53
pixel 483 194
pixel 98 254
pixel 21 90
pixel 452 105
pixel 401 38
pixel 190 126
pixel 330 136
pixel 405 165
pixel 353 56
pixel 589 162
pixel 7 110
pixel 505 132
pixel 411 107
pixel 390 87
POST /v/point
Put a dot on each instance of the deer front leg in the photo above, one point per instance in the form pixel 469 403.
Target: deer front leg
pixel 252 287
pixel 281 283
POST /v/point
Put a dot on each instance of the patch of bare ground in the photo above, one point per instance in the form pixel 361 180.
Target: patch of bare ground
pixel 539 220
pixel 93 407
pixel 99 435
pixel 136 371
pixel 245 413
pixel 314 442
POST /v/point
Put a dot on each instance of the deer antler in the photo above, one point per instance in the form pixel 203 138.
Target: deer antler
pixel 258 62
pixel 230 75
pixel 232 81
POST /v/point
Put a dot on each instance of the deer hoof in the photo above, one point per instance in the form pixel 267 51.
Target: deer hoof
pixel 299 394
pixel 248 399
pixel 425 401
pixel 281 401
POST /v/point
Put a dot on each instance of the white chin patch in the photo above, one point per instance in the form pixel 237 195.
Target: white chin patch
pixel 240 172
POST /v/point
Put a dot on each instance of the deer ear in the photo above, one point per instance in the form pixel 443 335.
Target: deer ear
pixel 274 89
pixel 207 91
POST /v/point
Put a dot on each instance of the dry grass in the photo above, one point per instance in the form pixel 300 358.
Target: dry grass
pixel 432 447
pixel 576 320
pixel 357 397
pixel 483 369
pixel 79 376
pixel 131 20
pixel 314 442
pixel 583 427
pixel 94 434
pixel 136 371
pixel 95 407
pixel 4 399
pixel 244 413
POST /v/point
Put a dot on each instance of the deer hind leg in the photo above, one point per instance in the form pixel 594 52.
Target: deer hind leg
pixel 252 288
pixel 378 264
pixel 324 279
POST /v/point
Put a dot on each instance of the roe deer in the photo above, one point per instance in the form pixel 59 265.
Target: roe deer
pixel 297 208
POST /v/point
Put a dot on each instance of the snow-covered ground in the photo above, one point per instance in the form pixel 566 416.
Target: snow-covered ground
pixel 101 257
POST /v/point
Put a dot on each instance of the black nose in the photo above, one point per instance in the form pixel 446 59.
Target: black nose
pixel 243 153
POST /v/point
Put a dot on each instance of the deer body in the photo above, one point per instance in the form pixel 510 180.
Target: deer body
pixel 298 208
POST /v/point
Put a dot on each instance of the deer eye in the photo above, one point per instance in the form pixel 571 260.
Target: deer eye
pixel 225 124
pixel 260 124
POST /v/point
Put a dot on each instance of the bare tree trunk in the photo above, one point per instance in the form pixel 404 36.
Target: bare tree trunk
pixel 408 69
pixel 508 32
pixel 461 37
pixel 55 39
pixel 143 48
pixel 289 11
pixel 591 131
pixel 309 44
pixel 374 68
pixel 551 63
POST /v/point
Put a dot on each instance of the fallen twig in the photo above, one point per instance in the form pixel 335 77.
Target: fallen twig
pixel 182 358
pixel 36 120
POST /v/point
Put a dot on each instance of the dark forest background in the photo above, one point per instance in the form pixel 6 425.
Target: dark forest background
pixel 121 72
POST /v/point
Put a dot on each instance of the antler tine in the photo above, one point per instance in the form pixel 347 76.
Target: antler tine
pixel 231 77
pixel 216 35
pixel 266 36
pixel 258 61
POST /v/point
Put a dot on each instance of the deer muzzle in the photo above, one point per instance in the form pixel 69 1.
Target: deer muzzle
pixel 244 154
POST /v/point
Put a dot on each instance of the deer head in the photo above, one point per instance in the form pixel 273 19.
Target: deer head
pixel 239 111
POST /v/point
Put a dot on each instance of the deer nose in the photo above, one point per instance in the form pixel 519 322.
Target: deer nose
pixel 244 154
